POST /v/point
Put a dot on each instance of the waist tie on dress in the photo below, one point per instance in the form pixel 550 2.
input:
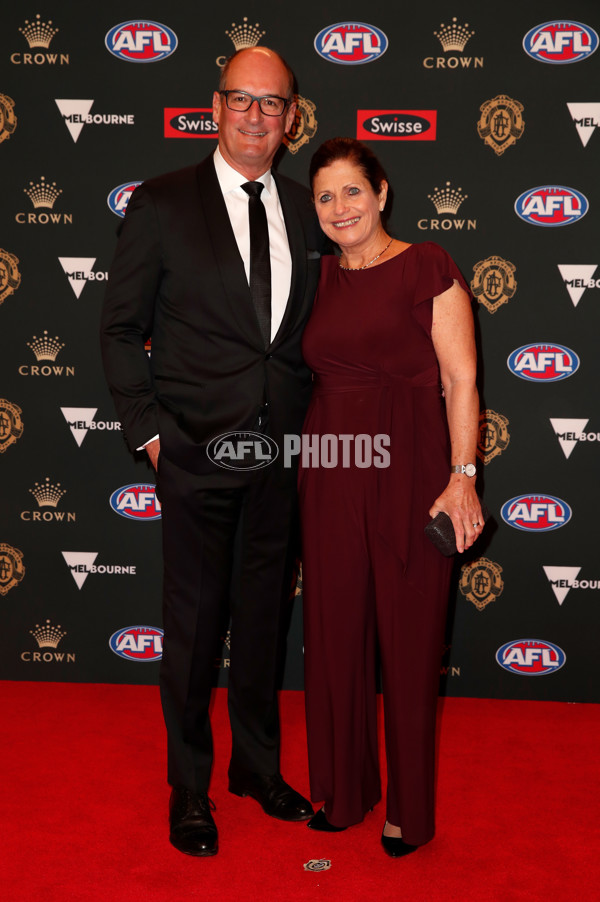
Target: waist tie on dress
pixel 399 493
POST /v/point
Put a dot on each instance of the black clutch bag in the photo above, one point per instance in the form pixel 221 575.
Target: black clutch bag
pixel 441 531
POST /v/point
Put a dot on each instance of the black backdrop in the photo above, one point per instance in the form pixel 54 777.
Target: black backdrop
pixel 495 123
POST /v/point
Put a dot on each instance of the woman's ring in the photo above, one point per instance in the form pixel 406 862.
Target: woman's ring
pixel 476 525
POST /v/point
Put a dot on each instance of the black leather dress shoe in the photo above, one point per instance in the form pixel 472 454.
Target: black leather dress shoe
pixel 395 846
pixel 320 822
pixel 273 794
pixel 192 828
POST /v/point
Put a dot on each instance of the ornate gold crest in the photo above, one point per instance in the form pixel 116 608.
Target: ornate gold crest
pixel 493 436
pixel 8 120
pixel 12 570
pixel 304 126
pixel 11 425
pixel 10 277
pixel 494 282
pixel 501 123
pixel 481 582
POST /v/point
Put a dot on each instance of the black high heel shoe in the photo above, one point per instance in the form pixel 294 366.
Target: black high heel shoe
pixel 395 846
pixel 320 822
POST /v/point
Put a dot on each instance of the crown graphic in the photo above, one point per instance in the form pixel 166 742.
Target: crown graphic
pixel 47 494
pixel 47 636
pixel 453 37
pixel 46 348
pixel 244 36
pixel 41 194
pixel 38 33
pixel 447 200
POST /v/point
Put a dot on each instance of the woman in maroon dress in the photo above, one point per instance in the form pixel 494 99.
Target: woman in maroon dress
pixel 391 325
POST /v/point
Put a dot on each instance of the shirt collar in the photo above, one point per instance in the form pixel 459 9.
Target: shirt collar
pixel 230 179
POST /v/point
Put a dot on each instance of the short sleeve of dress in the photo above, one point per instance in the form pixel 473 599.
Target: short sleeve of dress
pixel 434 272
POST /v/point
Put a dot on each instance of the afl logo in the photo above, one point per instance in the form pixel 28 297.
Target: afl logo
pixel 551 205
pixel 118 198
pixel 242 451
pixel 351 43
pixel 531 657
pixel 141 42
pixel 560 42
pixel 536 513
pixel 136 502
pixel 138 643
pixel 543 362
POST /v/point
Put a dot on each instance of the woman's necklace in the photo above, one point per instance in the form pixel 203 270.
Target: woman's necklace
pixel 355 268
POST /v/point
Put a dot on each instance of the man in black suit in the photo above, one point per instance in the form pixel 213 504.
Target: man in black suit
pixel 185 273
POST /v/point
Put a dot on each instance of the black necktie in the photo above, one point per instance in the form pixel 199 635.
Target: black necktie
pixel 260 259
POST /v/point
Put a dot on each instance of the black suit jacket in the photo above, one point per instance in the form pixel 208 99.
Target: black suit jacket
pixel 178 277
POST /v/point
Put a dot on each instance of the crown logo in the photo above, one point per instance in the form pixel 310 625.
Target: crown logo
pixel 453 37
pixel 42 194
pixel 47 494
pixel 47 636
pixel 245 36
pixel 448 199
pixel 38 33
pixel 45 348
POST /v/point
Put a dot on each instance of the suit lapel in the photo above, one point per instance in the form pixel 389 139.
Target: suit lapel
pixel 297 243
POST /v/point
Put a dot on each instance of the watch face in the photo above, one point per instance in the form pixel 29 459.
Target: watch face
pixel 470 469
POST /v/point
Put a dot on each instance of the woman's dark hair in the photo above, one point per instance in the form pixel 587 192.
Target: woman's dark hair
pixel 354 151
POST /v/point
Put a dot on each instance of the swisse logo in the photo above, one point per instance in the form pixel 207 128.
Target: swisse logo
pixel 351 43
pixel 396 125
pixel 536 513
pixel 543 362
pixel 79 271
pixel 242 451
pixel 136 502
pixel 81 419
pixel 189 122
pixel 530 657
pixel 563 579
pixel 560 42
pixel 140 41
pixel 120 196
pixel 570 432
pixel 551 205
pixel 577 278
pixel 138 643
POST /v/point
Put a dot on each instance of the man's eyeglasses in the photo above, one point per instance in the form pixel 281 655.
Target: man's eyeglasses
pixel 240 101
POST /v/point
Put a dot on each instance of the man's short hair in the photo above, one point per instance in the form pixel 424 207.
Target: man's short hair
pixel 229 60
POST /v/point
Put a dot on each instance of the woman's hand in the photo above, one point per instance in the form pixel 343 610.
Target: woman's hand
pixel 459 500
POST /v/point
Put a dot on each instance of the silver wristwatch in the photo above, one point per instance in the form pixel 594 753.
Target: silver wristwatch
pixel 467 469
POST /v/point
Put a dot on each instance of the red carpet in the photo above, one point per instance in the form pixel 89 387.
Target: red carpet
pixel 85 799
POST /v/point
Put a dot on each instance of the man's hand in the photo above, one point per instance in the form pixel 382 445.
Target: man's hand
pixel 153 450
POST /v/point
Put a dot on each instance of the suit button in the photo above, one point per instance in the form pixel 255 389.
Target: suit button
pixel 268 356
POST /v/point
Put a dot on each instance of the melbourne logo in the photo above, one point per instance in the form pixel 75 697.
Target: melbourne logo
pixel 79 271
pixel 396 125
pixel 577 278
pixel 136 502
pixel 530 657
pixel 189 122
pixel 48 496
pixel 10 277
pixel 39 35
pixel 138 643
pixel 586 117
pixel 560 42
pixel 46 350
pixel 8 119
pixel 48 637
pixel 493 436
pixel 351 43
pixel 494 282
pixel 119 197
pixel 536 513
pixel 76 114
pixel 501 123
pixel 82 563
pixel 81 419
pixel 551 205
pixel 570 432
pixel 543 362
pixel 304 126
pixel 11 424
pixel 141 41
pixel 43 195
pixel 453 38
pixel 242 451
pixel 481 582
pixel 447 200
pixel 563 579
pixel 12 569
